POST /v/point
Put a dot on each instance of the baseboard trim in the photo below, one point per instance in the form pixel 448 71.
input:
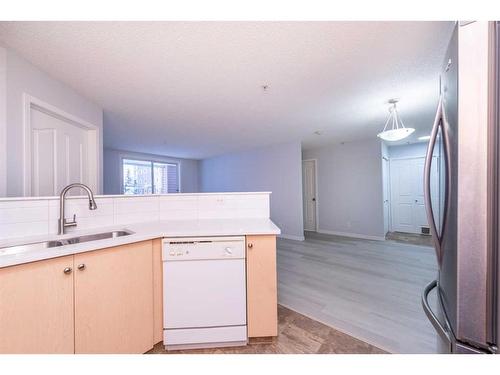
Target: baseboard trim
pixel 291 237
pixel 352 235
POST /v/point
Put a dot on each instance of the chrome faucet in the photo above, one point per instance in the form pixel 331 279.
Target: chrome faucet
pixel 63 223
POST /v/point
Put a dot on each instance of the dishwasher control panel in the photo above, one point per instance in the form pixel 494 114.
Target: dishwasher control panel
pixel 198 248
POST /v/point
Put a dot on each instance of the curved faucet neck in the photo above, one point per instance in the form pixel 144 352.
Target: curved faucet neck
pixel 62 221
pixel 77 185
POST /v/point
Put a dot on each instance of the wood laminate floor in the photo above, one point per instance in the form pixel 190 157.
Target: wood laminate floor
pixel 298 334
pixel 410 238
pixel 368 289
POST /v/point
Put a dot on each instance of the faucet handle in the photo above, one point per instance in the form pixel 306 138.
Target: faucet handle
pixel 70 223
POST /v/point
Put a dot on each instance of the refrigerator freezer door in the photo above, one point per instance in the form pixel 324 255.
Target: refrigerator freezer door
pixel 475 297
pixel 443 149
pixel 467 244
pixel 448 171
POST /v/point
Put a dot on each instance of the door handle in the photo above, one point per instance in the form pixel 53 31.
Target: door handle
pixel 427 181
pixel 440 328
pixel 314 199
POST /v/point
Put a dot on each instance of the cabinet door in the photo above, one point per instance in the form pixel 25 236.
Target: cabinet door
pixel 262 299
pixel 157 290
pixel 114 300
pixel 36 307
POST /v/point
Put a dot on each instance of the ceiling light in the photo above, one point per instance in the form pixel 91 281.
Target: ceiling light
pixel 424 138
pixel 396 130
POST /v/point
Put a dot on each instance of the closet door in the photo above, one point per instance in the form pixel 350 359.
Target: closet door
pixel 407 194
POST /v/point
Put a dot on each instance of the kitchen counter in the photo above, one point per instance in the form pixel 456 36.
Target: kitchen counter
pixel 142 231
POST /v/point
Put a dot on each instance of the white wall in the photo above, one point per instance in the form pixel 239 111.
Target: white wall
pixel 22 77
pixel 350 188
pixel 413 150
pixel 113 165
pixel 276 168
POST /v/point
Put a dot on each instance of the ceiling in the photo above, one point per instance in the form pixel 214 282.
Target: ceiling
pixel 194 89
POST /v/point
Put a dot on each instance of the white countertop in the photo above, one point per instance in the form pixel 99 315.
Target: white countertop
pixel 142 231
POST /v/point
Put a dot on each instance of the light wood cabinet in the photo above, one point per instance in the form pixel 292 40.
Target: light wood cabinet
pixel 111 300
pixel 262 298
pixel 157 291
pixel 114 299
pixel 36 307
pixel 103 303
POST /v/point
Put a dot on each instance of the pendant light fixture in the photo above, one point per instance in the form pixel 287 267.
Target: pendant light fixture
pixel 394 129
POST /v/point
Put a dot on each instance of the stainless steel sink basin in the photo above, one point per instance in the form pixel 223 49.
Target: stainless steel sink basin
pixel 62 242
pixel 98 236
pixel 30 246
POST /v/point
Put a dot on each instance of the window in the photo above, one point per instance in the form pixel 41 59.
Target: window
pixel 149 177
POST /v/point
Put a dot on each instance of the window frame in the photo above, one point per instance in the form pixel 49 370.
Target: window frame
pixel 151 160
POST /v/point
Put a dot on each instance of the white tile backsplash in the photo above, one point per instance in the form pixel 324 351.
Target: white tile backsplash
pixel 179 207
pixel 23 214
pixel 136 217
pixel 86 219
pixel 80 207
pixel 28 217
pixel 18 218
pixel 255 202
pixel 33 228
pixel 216 207
pixel 23 203
pixel 127 205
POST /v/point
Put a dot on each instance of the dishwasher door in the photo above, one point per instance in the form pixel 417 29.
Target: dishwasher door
pixel 204 293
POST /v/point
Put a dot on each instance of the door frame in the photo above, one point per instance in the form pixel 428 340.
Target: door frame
pixel 388 183
pixel 94 150
pixel 316 211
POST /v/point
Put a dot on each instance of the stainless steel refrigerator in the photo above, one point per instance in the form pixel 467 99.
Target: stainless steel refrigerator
pixel 465 143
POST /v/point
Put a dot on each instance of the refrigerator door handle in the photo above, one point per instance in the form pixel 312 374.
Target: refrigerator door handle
pixel 440 328
pixel 427 181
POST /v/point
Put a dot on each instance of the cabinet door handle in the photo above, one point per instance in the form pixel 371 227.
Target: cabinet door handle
pixel 250 245
pixel 81 267
pixel 67 270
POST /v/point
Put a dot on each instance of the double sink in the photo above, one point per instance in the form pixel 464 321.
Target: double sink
pixel 66 241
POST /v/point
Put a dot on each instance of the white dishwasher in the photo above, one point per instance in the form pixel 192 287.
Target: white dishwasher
pixel 204 292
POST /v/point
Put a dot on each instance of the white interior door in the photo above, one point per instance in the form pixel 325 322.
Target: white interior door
pixel 420 216
pixel 407 194
pixel 59 154
pixel 309 194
